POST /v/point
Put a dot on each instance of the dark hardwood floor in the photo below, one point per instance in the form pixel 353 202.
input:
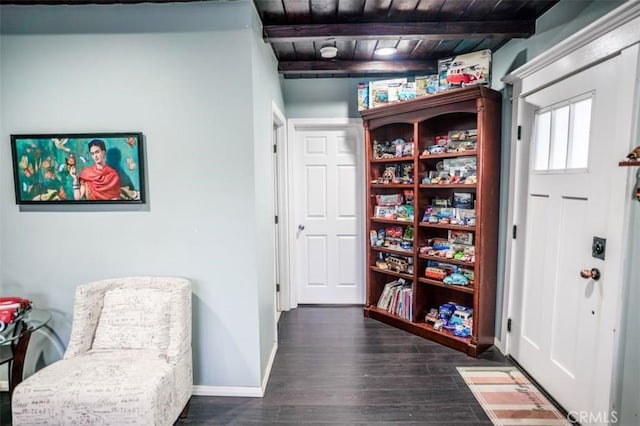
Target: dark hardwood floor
pixel 335 367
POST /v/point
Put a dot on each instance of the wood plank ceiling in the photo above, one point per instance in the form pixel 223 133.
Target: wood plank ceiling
pixel 422 31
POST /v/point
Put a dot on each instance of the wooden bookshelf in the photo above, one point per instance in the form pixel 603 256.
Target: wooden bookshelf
pixel 421 120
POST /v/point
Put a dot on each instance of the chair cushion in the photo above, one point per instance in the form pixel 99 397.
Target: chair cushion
pixel 100 387
pixel 133 318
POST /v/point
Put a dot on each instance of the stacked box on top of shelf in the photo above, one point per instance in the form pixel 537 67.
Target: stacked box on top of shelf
pixel 464 70
pixel 453 72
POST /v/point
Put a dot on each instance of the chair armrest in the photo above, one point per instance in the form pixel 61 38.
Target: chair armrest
pixel 180 328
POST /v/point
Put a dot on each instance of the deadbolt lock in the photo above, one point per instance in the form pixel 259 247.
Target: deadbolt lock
pixel 598 247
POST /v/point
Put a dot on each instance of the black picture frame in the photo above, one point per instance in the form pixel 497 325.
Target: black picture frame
pixel 79 168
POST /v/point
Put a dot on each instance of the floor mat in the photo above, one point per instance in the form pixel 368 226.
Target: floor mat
pixel 509 398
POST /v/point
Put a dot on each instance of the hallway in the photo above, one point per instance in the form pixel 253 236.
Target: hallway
pixel 334 366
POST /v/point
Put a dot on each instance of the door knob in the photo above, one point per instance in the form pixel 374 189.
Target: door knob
pixel 593 273
pixel 300 227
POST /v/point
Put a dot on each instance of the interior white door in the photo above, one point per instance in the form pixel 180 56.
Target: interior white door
pixel 327 189
pixel 563 333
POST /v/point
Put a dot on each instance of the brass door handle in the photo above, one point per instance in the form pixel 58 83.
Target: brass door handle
pixel 593 273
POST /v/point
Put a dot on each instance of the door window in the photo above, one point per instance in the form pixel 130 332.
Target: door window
pixel 561 136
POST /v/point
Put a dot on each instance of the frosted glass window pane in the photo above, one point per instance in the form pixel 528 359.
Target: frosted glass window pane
pixel 578 155
pixel 541 142
pixel 559 138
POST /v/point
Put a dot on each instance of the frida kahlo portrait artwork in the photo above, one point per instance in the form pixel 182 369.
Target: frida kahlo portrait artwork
pixel 78 168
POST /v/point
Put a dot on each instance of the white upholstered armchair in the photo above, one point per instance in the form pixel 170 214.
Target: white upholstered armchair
pixel 128 361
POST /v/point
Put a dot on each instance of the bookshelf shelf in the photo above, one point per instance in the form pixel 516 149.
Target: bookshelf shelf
pixel 422 329
pixel 392 251
pixel 466 117
pixel 385 312
pixel 443 226
pixel 393 160
pixel 449 155
pixel 391 221
pixel 440 259
pixel 448 186
pixel 392 273
pixel 463 289
pixel 392 185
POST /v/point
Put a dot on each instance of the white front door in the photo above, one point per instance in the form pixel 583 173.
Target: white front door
pixel 564 325
pixel 328 214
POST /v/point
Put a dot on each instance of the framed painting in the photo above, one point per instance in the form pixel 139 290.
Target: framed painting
pixel 80 168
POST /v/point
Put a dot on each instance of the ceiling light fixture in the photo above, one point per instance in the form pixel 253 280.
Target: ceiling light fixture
pixel 386 51
pixel 329 52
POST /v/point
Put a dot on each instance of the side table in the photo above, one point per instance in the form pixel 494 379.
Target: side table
pixel 14 341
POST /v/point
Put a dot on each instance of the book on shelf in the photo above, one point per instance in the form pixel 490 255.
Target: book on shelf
pixel 388 292
pixel 402 302
pixel 396 298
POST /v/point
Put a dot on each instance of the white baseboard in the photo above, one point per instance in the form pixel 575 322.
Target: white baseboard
pixel 242 391
pixel 245 391
pixel 498 344
pixel 267 371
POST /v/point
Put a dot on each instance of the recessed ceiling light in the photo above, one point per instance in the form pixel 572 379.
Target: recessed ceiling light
pixel 386 51
pixel 329 52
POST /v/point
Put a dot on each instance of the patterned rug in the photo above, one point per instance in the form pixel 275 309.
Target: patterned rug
pixel 509 398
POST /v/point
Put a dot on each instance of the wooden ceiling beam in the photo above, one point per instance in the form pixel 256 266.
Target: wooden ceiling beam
pixel 458 30
pixel 358 67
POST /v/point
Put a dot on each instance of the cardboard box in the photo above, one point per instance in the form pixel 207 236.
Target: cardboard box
pixel 460 237
pixel 463 200
pixel 407 91
pixel 363 96
pixel 382 92
pixel 460 166
pixel 465 70
pixel 426 84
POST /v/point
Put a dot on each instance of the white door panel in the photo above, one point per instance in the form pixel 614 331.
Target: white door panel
pixel 531 326
pixel 327 193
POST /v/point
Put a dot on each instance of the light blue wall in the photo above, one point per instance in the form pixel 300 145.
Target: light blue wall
pixel 264 82
pixel 182 74
pixel 321 97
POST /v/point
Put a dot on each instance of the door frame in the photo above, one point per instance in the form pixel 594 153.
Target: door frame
pixel 613 34
pixel 295 125
pixel 279 122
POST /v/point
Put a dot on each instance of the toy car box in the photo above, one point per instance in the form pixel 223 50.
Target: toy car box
pixel 426 84
pixel 363 96
pixel 382 92
pixel 463 200
pixel 464 70
pixel 407 91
